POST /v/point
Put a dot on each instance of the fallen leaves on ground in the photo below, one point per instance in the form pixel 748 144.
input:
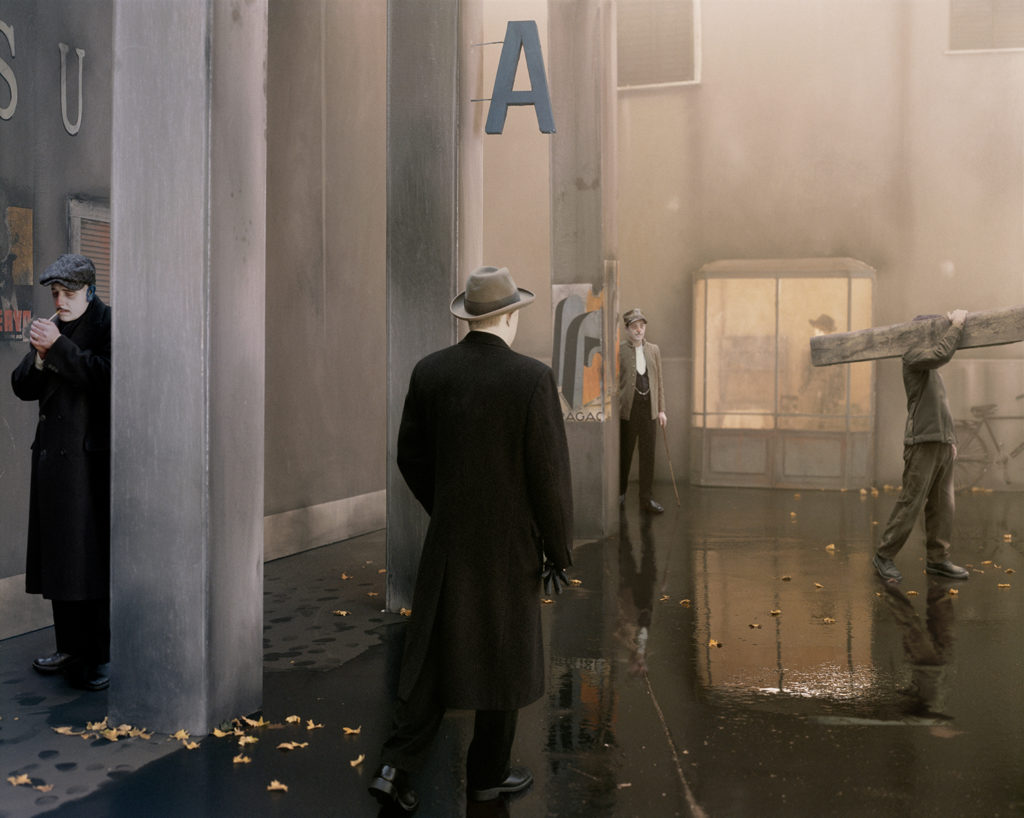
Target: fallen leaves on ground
pixel 292 745
pixel 311 725
pixel 714 643
pixel 352 731
pixel 241 759
pixel 663 597
pixel 775 612
pixel 786 578
pixel 355 762
pixel 345 576
pixel 405 612
pixel 953 591
pixel 276 786
pixel 547 601
pixel 685 603
pixel 1003 585
pixel 828 620
pixel 19 780
pixel 96 725
pixel 181 735
pixel 340 613
pixel 818 585
pixel 755 626
pixel 911 593
pixel 218 733
pixel 830 547
pixel 247 740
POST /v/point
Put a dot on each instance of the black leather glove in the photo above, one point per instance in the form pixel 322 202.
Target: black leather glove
pixel 553 576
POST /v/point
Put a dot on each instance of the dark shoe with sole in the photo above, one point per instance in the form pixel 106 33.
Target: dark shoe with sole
pixel 390 786
pixel 89 677
pixel 653 507
pixel 887 569
pixel 518 779
pixel 946 569
pixel 53 663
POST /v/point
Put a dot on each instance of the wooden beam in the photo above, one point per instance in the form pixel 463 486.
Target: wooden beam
pixel 981 329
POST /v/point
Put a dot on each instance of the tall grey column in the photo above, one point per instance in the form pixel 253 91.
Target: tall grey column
pixel 188 194
pixel 583 230
pixel 434 196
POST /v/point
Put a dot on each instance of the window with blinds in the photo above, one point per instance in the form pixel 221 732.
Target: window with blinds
pixel 89 234
pixel 658 42
pixel 986 25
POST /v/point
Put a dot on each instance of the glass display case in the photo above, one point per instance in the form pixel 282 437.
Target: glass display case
pixel 762 414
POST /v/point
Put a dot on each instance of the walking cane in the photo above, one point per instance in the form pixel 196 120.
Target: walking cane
pixel 664 437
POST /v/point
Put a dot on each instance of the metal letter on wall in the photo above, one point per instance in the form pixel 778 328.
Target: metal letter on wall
pixel 8 73
pixel 520 36
pixel 71 129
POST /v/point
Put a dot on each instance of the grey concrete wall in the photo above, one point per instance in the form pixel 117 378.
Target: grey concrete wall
pixel 189 219
pixel 41 165
pixel 326 329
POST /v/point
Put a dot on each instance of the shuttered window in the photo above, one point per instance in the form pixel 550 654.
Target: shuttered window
pixel 986 25
pixel 658 42
pixel 89 234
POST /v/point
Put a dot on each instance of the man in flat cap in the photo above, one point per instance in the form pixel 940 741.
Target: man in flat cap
pixel 641 407
pixel 482 446
pixel 68 372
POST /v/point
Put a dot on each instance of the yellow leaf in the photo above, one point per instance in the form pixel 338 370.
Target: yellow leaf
pixel 340 613
pixel 372 593
pixel 382 570
pixel 310 725
pixel 576 582
pixel 796 496
pixel 1003 585
pixel 276 785
pixel 109 735
pixel 252 722
pixel 775 612
pixel 792 514
pixel 353 731
pixel 355 762
pixel 818 585
pixel 18 780
pixel 1007 537
pixel 756 627
pixel 911 593
pixel 181 735
pixel 345 576
pixel 218 733
pixel 714 643
pixel 44 787
pixel 986 562
pixel 65 731
pixel 663 597
pixel 96 725
pixel 292 745
pixel 953 591
pixel 830 547
pixel 548 601
pixel 405 612
pixel 1009 571
pixel 786 578
pixel 242 759
pixel 247 740
pixel 685 603
pixel 293 719
pixel 863 492
pixel 142 734
pixel 828 620
pixel 190 745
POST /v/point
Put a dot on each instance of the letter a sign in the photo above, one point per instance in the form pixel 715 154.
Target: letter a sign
pixel 520 36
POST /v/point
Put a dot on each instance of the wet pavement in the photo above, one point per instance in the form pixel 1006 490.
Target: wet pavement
pixel 735 656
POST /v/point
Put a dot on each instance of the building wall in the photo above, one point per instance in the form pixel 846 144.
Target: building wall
pixel 41 165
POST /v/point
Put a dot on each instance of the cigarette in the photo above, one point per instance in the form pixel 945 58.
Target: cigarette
pixel 53 316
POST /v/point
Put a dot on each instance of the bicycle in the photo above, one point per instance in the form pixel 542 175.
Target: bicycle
pixel 974 454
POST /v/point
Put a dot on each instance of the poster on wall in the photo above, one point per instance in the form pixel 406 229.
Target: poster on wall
pixel 578 354
pixel 16 274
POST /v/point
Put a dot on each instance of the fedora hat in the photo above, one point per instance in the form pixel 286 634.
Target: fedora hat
pixel 489 291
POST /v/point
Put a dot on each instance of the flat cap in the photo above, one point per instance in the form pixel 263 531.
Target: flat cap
pixel 71 270
pixel 634 315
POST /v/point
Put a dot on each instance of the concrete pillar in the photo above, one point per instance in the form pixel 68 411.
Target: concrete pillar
pixel 581 59
pixel 434 198
pixel 188 194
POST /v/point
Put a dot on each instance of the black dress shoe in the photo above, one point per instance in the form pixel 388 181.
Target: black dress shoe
pixel 53 663
pixel 518 779
pixel 946 569
pixel 653 507
pixel 886 569
pixel 390 786
pixel 89 677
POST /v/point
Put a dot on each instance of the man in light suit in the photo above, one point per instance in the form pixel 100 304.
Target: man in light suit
pixel 482 446
pixel 641 407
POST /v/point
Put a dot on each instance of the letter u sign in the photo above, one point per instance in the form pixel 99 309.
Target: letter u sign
pixel 520 36
pixel 69 126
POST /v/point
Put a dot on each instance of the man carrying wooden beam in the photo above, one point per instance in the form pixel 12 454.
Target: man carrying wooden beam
pixel 929 441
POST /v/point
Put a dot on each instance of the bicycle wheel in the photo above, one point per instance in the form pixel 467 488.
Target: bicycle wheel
pixel 972 458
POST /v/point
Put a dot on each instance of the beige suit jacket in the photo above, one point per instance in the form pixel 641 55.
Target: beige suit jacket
pixel 627 378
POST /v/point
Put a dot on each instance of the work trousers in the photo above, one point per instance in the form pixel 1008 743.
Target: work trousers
pixel 417 719
pixel 82 629
pixel 927 485
pixel 640 431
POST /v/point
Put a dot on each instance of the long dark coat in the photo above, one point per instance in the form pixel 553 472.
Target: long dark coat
pixel 482 446
pixel 69 500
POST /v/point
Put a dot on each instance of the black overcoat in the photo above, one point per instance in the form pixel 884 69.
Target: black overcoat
pixel 69 499
pixel 482 446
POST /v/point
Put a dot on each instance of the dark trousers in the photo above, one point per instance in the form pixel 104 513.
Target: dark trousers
pixel 639 431
pixel 82 629
pixel 417 719
pixel 928 486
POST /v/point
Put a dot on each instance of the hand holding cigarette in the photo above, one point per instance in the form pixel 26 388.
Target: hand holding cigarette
pixel 43 333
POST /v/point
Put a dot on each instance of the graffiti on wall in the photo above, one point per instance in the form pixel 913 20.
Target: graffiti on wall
pixel 578 356
pixel 15 270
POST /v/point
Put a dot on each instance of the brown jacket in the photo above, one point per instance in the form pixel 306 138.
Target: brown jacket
pixel 627 378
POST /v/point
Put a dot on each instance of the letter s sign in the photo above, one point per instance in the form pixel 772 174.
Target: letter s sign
pixel 8 73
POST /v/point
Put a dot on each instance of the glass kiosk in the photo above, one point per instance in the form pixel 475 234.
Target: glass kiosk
pixel 762 415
